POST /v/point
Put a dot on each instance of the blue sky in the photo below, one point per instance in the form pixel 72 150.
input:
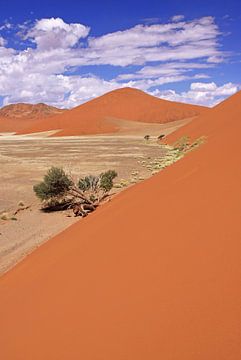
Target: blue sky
pixel 65 53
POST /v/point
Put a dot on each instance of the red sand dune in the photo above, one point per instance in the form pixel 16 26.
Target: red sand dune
pixel 154 274
pixel 94 117
pixel 17 117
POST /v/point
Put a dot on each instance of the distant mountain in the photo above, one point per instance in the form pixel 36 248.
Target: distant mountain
pixel 16 117
pixel 99 116
pixel 28 111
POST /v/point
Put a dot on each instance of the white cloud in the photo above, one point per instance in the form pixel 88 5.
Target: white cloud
pixel 55 33
pixel 177 18
pixel 58 90
pixel 6 26
pixel 208 94
pixel 2 41
pixel 167 69
pixel 215 59
pixel 168 53
pixel 160 42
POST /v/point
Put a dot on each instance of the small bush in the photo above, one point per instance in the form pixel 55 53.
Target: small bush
pixel 89 183
pixel 106 180
pixel 160 137
pixel 4 216
pixel 147 137
pixel 55 183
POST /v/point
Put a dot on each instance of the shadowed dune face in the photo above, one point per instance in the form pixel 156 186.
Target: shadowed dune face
pixel 17 117
pixel 100 116
pixel 154 274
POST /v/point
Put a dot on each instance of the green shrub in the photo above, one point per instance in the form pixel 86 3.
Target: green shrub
pixel 55 183
pixel 58 192
pixel 106 180
pixel 89 183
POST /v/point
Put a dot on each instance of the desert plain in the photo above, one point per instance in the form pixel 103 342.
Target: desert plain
pixel 25 159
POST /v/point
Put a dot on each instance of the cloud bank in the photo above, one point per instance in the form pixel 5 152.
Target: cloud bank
pixel 49 63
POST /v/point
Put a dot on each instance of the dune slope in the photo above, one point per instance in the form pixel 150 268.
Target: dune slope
pixel 95 116
pixel 154 274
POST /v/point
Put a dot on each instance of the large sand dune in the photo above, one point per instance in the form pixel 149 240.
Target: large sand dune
pixel 154 274
pixel 100 116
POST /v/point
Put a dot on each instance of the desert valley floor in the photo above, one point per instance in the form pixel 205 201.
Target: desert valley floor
pixel 25 159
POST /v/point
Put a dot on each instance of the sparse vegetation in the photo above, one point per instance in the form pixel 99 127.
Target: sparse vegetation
pixel 147 137
pixel 96 187
pixel 58 191
pixel 56 183
pixel 175 153
pixel 4 216
pixel 182 144
pixel 160 137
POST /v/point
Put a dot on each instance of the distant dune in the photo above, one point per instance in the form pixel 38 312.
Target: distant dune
pixel 153 274
pixel 100 116
pixel 16 117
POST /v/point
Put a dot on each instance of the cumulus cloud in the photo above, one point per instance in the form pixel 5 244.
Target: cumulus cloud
pixel 58 90
pixel 55 33
pixel 208 94
pixel 161 53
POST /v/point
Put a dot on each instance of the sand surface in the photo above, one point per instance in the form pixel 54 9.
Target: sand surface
pixel 25 159
pixel 154 274
pixel 106 113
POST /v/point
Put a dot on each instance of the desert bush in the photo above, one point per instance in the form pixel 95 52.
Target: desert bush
pixel 55 183
pixel 160 137
pixel 58 191
pixel 89 183
pixel 106 180
pixel 97 186
pixel 4 216
pixel 147 137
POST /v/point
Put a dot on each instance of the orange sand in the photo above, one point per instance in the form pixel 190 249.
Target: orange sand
pixel 94 117
pixel 154 274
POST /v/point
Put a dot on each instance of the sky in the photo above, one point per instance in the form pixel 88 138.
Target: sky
pixel 64 53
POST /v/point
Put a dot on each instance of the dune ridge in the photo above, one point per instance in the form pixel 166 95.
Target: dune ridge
pixel 154 274
pixel 99 115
